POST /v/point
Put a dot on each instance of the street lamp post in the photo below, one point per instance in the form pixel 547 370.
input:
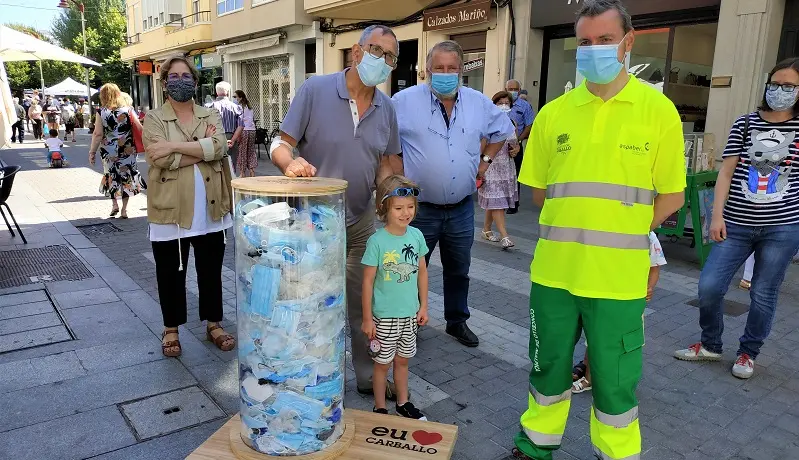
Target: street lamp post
pixel 65 4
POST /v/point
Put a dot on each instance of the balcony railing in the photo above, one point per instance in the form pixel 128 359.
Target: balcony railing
pixel 133 39
pixel 186 21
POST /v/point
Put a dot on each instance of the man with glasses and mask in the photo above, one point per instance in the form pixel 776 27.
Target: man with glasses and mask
pixel 343 127
pixel 442 125
pixel 596 159
pixel 522 114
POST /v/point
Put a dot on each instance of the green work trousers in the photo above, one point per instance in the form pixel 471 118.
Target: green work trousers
pixel 615 333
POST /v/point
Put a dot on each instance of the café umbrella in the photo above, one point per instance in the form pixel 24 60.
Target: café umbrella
pixel 18 46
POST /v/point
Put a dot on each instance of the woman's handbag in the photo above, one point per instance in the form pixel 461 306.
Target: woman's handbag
pixel 135 128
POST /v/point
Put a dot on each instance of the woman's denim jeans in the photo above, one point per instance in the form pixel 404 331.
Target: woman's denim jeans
pixel 774 247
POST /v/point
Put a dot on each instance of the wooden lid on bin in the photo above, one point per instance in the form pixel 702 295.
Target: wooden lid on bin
pixel 294 186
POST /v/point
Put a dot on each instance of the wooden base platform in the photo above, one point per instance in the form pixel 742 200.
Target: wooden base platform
pixel 366 436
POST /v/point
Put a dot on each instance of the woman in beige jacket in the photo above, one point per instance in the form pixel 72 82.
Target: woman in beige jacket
pixel 189 202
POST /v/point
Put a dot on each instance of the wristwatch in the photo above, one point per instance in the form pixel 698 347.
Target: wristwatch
pixel 487 159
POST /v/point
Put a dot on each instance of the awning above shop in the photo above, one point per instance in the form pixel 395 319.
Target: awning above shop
pixel 381 10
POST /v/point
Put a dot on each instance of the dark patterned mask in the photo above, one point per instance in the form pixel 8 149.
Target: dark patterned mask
pixel 180 90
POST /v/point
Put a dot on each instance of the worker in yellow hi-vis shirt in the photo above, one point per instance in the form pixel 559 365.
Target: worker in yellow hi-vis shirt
pixel 606 163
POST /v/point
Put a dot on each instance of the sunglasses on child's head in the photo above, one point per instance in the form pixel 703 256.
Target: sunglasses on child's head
pixel 402 192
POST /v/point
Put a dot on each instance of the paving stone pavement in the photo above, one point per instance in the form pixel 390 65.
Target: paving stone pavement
pixel 106 384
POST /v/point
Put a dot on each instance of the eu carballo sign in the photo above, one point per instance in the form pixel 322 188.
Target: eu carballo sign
pixel 462 14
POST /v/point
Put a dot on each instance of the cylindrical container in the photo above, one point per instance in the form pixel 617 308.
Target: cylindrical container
pixel 290 266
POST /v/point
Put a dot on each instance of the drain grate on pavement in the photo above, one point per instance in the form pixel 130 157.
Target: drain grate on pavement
pixel 169 412
pixel 29 319
pixel 50 263
pixel 94 230
pixel 730 307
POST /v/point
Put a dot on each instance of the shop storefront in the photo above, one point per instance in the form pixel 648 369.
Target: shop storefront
pixel 482 30
pixel 269 70
pixel 209 63
pixel 673 52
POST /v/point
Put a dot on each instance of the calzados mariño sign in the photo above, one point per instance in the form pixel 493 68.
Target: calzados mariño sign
pixel 463 14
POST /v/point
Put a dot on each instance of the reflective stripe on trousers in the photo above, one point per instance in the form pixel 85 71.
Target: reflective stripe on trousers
pixel 616 437
pixel 544 421
pixel 594 237
pixel 616 192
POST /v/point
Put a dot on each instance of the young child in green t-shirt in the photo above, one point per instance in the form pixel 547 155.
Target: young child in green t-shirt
pixel 394 291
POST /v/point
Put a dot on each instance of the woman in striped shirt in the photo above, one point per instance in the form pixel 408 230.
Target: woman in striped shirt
pixel 756 210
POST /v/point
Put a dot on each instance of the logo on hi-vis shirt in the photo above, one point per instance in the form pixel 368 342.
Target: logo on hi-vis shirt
pixel 635 149
pixel 418 441
pixel 563 144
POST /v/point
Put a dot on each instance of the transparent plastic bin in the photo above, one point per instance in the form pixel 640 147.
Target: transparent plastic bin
pixel 290 292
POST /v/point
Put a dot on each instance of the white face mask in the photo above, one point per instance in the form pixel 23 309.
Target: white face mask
pixel 504 107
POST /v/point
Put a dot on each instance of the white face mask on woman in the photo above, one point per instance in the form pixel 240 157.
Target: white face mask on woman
pixel 504 107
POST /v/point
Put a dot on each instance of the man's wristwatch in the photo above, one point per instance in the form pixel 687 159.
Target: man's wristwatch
pixel 487 159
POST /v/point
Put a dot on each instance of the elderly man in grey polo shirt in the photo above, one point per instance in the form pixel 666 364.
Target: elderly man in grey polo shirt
pixel 344 128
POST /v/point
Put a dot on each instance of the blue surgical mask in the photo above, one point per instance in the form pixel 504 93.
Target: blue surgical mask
pixel 599 63
pixel 780 100
pixel 445 84
pixel 373 70
pixel 514 95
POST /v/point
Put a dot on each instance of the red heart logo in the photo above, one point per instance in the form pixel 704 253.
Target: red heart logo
pixel 424 438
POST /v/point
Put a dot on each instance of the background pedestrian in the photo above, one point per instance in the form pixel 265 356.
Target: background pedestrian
pixel 113 136
pixel 247 159
pixel 500 190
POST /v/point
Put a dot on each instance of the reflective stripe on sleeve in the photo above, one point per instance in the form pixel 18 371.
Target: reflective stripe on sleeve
pixel 615 192
pixel 594 237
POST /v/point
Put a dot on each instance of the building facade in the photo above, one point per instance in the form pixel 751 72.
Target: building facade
pixel 483 28
pixel 158 29
pixel 264 47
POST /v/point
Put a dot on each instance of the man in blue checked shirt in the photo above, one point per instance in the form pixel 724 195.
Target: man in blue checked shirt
pixel 230 112
pixel 441 125
pixel 522 114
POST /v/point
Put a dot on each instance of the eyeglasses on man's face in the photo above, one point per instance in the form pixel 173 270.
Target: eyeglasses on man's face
pixel 787 87
pixel 378 52
pixel 180 76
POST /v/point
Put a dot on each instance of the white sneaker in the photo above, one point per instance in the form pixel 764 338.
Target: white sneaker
pixel 697 352
pixel 744 367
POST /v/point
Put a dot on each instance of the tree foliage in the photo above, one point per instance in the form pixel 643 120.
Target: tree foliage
pixel 106 27
pixel 25 74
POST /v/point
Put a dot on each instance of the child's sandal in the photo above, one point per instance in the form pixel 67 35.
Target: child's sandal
pixel 581 385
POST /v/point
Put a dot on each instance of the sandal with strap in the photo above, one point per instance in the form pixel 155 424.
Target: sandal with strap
pixel 581 385
pixel 507 243
pixel 490 236
pixel 170 348
pixel 220 340
pixel 745 285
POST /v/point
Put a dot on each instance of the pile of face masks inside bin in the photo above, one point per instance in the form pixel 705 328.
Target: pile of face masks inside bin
pixel 291 265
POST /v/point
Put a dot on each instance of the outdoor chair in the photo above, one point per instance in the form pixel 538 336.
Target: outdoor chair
pixel 6 181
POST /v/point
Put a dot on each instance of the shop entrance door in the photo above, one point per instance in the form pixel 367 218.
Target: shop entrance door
pixel 404 76
pixel 789 43
pixel 267 86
